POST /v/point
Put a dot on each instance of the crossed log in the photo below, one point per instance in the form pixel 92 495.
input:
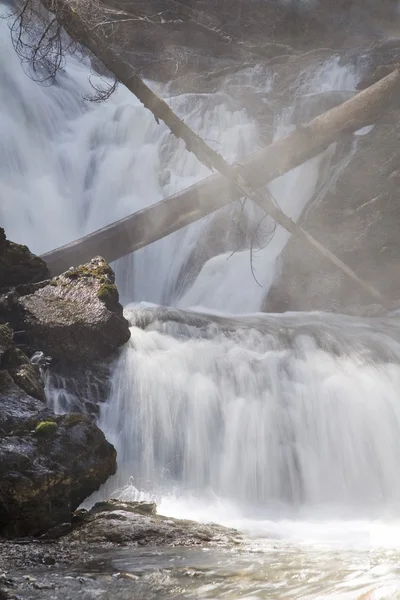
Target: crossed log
pixel 229 183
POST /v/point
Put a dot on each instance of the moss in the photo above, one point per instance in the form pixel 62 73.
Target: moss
pixel 74 419
pixel 54 282
pixel 45 428
pixel 101 272
pixel 108 291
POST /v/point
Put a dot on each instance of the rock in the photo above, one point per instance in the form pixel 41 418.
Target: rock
pixel 380 72
pixel 25 374
pixel 135 523
pixel 16 367
pixel 6 336
pixel 358 219
pixel 76 318
pixel 141 508
pixel 16 406
pixel 18 265
pixel 48 466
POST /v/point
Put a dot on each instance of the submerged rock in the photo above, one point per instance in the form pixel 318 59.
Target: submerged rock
pixel 76 318
pixel 18 265
pixel 48 465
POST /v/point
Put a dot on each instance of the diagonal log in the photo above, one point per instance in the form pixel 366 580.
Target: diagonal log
pixel 287 153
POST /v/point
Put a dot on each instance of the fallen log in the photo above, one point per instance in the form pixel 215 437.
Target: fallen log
pixel 181 209
pixel 314 137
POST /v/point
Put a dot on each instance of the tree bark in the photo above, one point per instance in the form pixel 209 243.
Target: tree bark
pixel 268 164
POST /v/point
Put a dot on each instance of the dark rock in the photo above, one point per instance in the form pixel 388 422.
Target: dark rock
pixel 76 318
pixel 16 367
pixel 358 219
pixel 6 336
pixel 25 374
pixel 380 72
pixel 135 523
pixel 16 406
pixel 18 265
pixel 45 475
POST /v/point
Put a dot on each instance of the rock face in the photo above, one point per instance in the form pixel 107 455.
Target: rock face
pixel 18 265
pixel 48 465
pixel 358 219
pixel 76 317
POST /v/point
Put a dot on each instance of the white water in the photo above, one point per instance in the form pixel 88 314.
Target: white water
pixel 287 427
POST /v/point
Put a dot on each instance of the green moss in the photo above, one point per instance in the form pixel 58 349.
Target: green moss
pixel 101 272
pixel 74 419
pixel 54 282
pixel 45 428
pixel 107 291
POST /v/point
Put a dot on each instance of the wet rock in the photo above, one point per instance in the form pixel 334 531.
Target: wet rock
pixel 76 318
pixel 18 265
pixel 48 465
pixel 136 523
pixel 16 406
pixel 17 368
pixel 25 374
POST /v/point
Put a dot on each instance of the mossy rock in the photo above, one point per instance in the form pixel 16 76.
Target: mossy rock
pixel 108 293
pixel 73 419
pixel 45 429
pixel 98 269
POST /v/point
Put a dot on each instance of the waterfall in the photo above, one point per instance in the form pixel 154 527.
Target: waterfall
pixel 273 412
pixel 270 413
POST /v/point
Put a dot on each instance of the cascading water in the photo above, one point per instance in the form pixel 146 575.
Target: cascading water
pixel 271 422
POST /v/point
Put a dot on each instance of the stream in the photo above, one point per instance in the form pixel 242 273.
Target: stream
pixel 286 427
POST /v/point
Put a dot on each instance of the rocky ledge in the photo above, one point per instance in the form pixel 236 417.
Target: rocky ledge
pixel 50 463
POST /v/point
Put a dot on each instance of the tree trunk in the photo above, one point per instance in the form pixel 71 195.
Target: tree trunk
pixel 268 164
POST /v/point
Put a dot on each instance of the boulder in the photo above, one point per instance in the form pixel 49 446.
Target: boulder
pixel 358 219
pixel 76 318
pixel 18 265
pixel 48 465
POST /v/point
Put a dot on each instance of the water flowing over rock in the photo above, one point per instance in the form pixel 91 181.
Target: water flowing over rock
pixel 286 424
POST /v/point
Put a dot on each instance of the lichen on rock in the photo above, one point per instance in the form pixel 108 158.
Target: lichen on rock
pixel 76 317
